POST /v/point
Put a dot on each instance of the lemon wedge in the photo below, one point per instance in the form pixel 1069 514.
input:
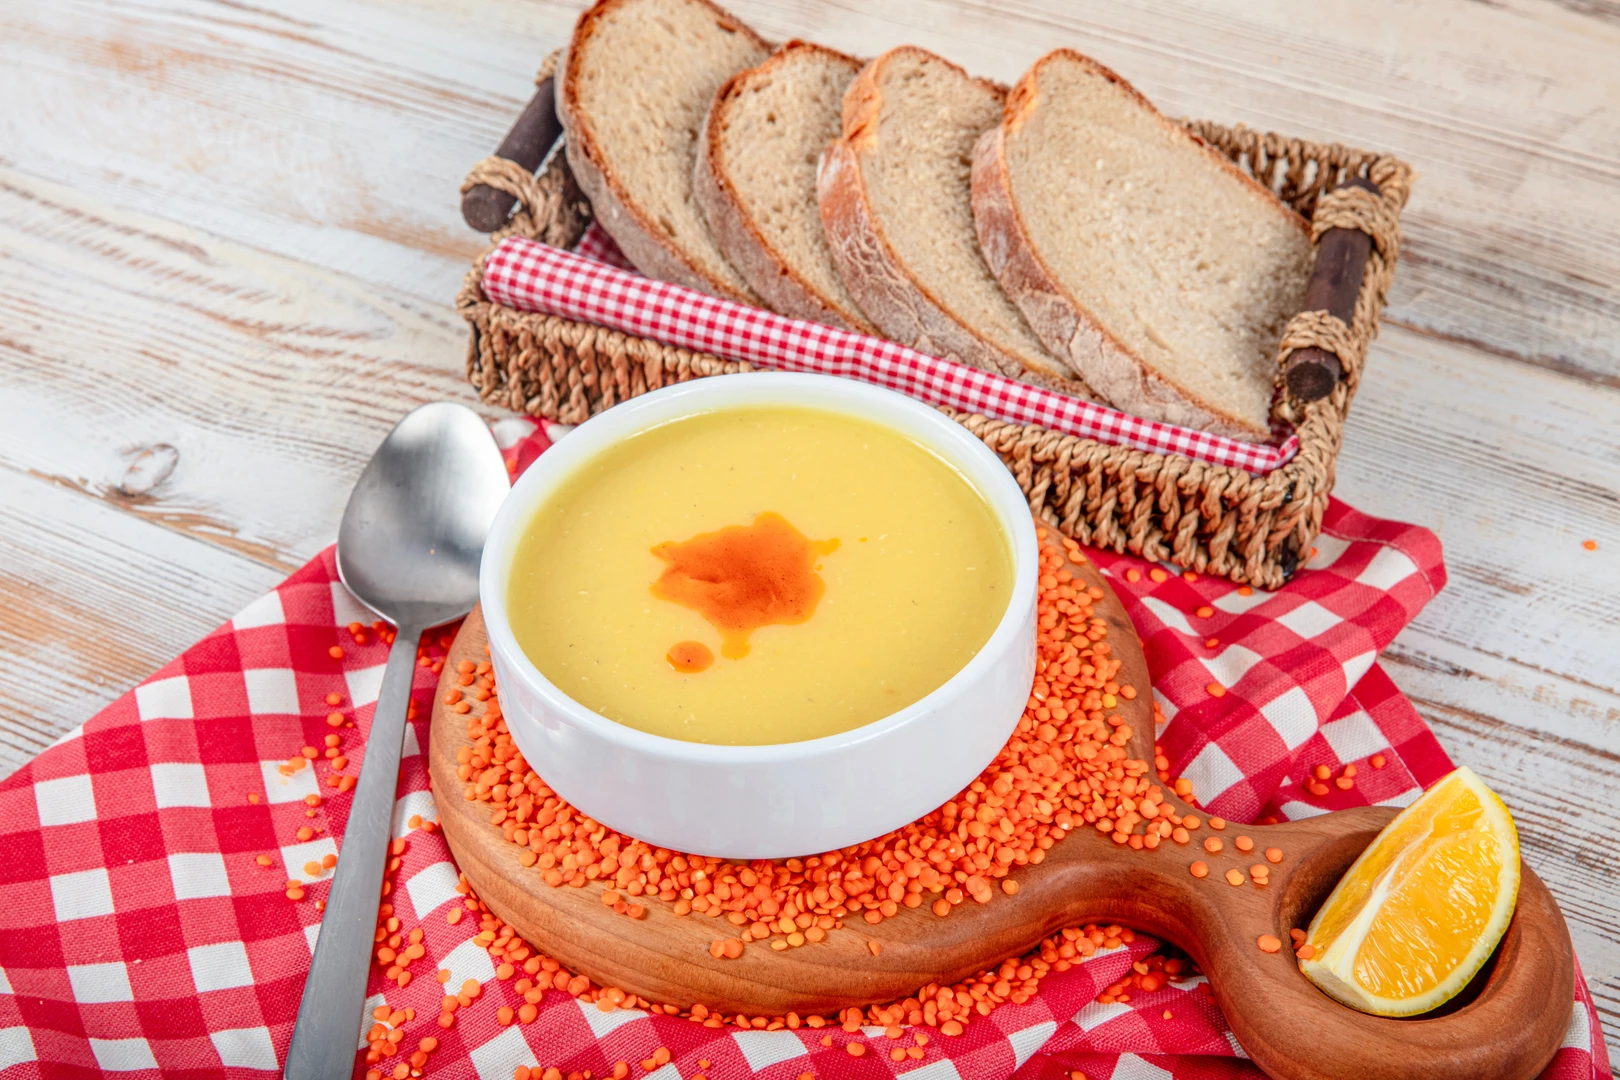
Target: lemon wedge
pixel 1421 910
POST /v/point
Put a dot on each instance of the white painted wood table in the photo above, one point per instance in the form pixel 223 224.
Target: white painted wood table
pixel 229 238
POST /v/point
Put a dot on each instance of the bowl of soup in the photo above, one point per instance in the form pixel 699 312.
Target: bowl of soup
pixel 763 615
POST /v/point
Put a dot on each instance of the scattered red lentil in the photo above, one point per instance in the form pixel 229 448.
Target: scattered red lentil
pixel 1305 952
pixel 1376 761
pixel 1274 855
pixel 1148 975
pixel 1199 869
pixel 1215 689
pixel 335 652
pixel 1205 612
pixel 1589 545
pixel 1243 843
pixel 1268 943
pixel 1234 877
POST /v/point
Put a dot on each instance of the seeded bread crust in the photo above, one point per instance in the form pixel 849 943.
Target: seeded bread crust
pixel 735 230
pixel 646 245
pixel 1115 371
pixel 905 310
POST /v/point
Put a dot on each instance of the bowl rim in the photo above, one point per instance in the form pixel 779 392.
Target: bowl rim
pixel 957 446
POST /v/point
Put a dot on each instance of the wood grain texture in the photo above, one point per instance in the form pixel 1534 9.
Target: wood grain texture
pixel 334 133
pixel 1509 1024
pixel 219 114
pixel 184 417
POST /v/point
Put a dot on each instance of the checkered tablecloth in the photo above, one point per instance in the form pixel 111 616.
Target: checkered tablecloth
pixel 139 933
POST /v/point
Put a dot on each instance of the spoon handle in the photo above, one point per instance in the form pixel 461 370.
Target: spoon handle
pixel 328 1030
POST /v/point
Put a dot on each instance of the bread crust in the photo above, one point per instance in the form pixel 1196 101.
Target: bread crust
pixel 878 281
pixel 735 231
pixel 1114 370
pixel 641 241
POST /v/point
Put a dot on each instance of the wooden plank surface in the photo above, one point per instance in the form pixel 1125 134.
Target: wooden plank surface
pixel 229 237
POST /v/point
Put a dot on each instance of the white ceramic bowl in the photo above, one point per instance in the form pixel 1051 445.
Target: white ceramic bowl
pixel 775 801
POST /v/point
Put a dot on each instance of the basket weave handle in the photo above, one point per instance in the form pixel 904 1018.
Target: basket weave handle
pixel 486 208
pixel 1312 372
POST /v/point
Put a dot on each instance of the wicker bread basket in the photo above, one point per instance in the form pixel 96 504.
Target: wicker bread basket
pixel 1254 529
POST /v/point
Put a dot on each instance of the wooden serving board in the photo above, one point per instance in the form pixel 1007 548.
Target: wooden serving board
pixel 1507 1024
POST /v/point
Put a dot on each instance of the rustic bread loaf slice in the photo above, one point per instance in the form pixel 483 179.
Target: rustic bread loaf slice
pixel 756 179
pixel 1144 258
pixel 635 87
pixel 896 205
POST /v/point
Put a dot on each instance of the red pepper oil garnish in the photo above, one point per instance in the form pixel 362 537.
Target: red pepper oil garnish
pixel 689 657
pixel 742 577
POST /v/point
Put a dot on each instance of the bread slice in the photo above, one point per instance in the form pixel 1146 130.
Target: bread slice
pixel 896 205
pixel 1144 258
pixel 755 179
pixel 635 87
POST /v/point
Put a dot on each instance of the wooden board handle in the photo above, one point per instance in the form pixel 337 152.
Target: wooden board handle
pixel 1341 262
pixel 527 144
pixel 1508 1023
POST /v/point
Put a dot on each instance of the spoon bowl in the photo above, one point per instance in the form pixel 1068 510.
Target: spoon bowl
pixel 408 548
pixel 413 531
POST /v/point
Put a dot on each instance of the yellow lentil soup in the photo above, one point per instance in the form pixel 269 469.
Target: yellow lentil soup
pixel 758 575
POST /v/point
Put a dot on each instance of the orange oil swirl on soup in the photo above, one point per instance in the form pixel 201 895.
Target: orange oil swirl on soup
pixel 740 578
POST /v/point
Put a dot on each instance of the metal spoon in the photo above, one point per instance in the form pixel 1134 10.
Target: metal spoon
pixel 408 548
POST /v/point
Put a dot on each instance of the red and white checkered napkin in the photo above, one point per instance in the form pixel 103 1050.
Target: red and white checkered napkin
pixel 139 934
pixel 592 286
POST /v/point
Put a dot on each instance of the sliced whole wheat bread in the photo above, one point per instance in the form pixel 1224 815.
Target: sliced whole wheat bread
pixel 635 86
pixel 895 202
pixel 1144 258
pixel 755 179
